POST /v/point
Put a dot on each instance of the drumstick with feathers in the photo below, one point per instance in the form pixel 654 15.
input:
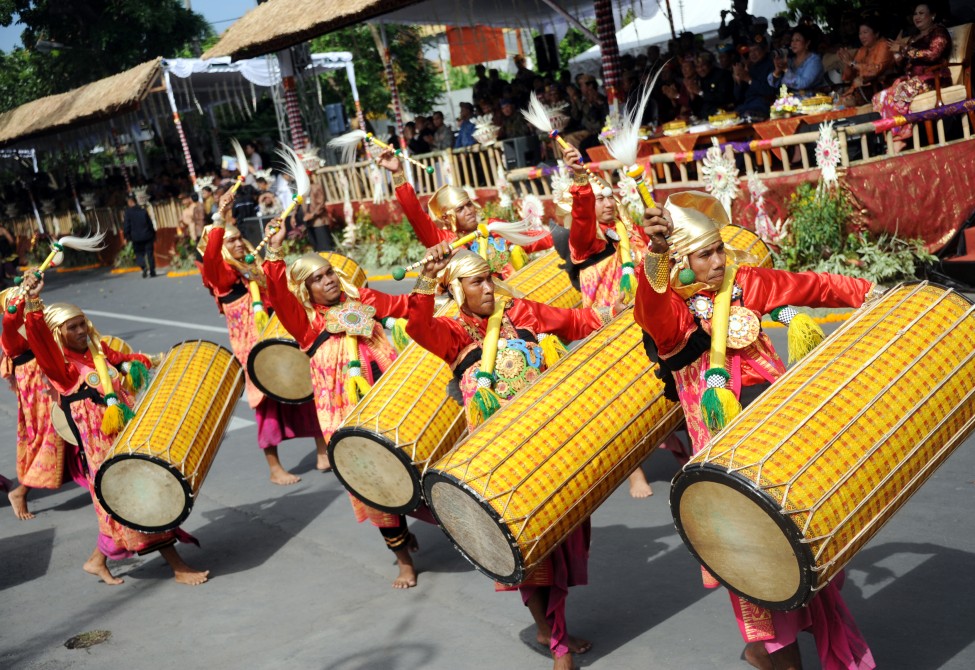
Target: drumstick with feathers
pixel 294 167
pixel 537 115
pixel 348 143
pixel 242 165
pixel 623 146
pixel 515 232
pixel 91 244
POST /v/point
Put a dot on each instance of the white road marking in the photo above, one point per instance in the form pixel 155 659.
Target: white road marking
pixel 237 423
pixel 160 322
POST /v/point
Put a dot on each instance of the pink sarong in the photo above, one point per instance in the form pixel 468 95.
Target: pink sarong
pixel 278 421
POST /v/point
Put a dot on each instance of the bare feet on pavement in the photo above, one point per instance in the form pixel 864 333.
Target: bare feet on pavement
pixel 282 477
pixel 639 486
pixel 18 501
pixel 97 565
pixel 406 579
pixel 183 573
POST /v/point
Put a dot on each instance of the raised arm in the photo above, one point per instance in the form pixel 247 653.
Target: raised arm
pixel 568 324
pixel 288 309
pixel 584 240
pixel 14 344
pixel 766 289
pixel 216 273
pixel 396 306
pixel 440 336
pixel 426 230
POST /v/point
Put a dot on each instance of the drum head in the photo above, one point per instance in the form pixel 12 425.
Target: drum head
pixel 475 529
pixel 143 493
pixel 742 538
pixel 281 371
pixel 61 427
pixel 375 470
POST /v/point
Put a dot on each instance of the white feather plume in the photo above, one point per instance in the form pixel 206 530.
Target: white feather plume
pixel 516 232
pixel 537 115
pixel 242 165
pixel 294 167
pixel 348 144
pixel 624 145
pixel 91 244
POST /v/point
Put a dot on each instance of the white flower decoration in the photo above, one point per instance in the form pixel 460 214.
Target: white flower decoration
pixel 720 175
pixel 828 154
pixel 532 210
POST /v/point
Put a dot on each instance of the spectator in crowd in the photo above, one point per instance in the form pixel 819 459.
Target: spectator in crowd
pixel 522 73
pixel 753 93
pixel 863 71
pixel 443 137
pixel 727 56
pixel 781 32
pixel 413 142
pixel 208 202
pixel 254 158
pixel 714 88
pixel 191 218
pixel 138 230
pixel 739 28
pixel 465 127
pixel 482 87
pixel 802 72
pixel 513 124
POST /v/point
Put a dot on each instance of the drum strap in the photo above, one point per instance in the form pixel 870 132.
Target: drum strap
pixel 319 341
pixel 575 269
pixel 238 291
pixel 25 357
pixel 474 355
pixel 84 392
pixel 697 345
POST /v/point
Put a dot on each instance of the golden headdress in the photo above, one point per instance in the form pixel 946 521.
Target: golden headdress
pixel 465 263
pixel 59 313
pixel 445 200
pixel 252 271
pixel 303 268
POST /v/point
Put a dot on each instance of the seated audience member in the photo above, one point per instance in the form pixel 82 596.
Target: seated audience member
pixel 803 72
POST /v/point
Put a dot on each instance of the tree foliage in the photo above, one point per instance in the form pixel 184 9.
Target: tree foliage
pixel 575 43
pixel 99 37
pixel 419 83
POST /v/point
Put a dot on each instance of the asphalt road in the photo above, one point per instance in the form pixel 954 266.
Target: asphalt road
pixel 296 583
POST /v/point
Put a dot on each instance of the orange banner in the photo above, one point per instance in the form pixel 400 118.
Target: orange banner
pixel 472 45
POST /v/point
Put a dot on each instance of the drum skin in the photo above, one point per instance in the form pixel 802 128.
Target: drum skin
pixel 407 420
pixel 159 461
pixel 526 478
pixel 276 364
pixel 778 502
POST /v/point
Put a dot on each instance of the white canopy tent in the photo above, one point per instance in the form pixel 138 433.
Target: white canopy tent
pixel 701 16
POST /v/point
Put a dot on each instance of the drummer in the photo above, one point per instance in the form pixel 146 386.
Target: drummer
pixel 68 350
pixel 457 215
pixel 315 302
pixel 459 341
pixel 229 277
pixel 677 288
pixel 604 248
pixel 44 460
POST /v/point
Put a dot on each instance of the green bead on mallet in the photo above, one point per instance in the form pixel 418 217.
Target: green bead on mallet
pixel 18 281
pixel 249 258
pixel 686 276
pixel 12 309
pixel 399 274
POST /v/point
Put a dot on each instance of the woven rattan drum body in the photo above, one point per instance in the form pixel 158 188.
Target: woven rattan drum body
pixel 407 420
pixel 745 240
pixel 160 459
pixel 514 489
pixel 788 493
pixel 276 365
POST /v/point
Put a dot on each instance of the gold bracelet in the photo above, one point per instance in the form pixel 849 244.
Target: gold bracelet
pixel 657 268
pixel 399 178
pixel 605 314
pixel 580 178
pixel 425 285
pixel 33 305
pixel 272 254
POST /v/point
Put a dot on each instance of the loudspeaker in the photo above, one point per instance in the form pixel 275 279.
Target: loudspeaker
pixel 335 118
pixel 521 151
pixel 546 53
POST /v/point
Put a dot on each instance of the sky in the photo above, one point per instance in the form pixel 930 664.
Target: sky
pixel 219 13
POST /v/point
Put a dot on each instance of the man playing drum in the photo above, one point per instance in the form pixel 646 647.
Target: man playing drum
pixel 454 209
pixel 69 351
pixel 44 461
pixel 604 249
pixel 237 285
pixel 683 280
pixel 314 302
pixel 486 316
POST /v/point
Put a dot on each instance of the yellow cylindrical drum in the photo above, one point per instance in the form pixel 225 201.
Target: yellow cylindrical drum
pixel 786 495
pixel 276 365
pixel 407 420
pixel 745 240
pixel 159 461
pixel 526 478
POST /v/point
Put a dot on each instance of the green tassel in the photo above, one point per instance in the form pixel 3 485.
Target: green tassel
pixel 481 406
pixel 127 413
pixel 138 375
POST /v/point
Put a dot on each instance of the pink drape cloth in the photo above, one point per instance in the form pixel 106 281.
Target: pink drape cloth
pixel 277 422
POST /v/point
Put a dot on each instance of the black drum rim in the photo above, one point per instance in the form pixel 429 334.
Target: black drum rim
pixel 707 472
pixel 187 492
pixel 252 359
pixel 357 431
pixel 431 478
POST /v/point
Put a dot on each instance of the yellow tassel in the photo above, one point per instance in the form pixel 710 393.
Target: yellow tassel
pixel 552 350
pixel 804 335
pixel 356 388
pixel 400 339
pixel 481 406
pixel 519 258
pixel 260 320
pixel 113 420
pixel 719 406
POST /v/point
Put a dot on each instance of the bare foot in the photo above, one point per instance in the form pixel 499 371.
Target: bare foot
pixel 757 657
pixel 321 447
pixel 639 486
pixel 406 579
pixel 282 477
pixel 183 573
pixel 563 662
pixel 97 565
pixel 18 501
